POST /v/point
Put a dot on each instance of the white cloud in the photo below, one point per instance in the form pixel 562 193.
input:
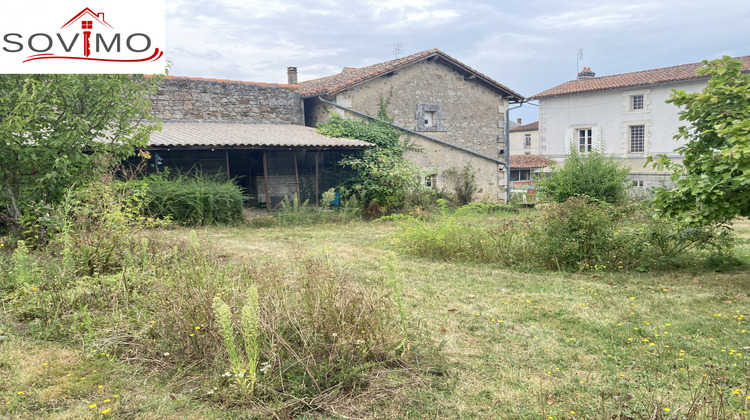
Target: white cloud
pixel 601 16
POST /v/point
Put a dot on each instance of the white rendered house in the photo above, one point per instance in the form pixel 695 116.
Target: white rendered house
pixel 626 114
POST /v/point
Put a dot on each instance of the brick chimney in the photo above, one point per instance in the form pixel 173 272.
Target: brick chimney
pixel 586 74
pixel 291 75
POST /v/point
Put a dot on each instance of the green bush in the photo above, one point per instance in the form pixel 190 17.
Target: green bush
pixel 463 182
pixel 591 174
pixel 573 234
pixel 578 234
pixel 380 176
pixel 191 200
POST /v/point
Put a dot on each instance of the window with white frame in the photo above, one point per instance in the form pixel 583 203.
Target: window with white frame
pixel 585 140
pixel 636 103
pixel 527 141
pixel 517 175
pixel 637 139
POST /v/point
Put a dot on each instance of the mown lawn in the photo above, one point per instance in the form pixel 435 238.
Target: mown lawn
pixel 509 344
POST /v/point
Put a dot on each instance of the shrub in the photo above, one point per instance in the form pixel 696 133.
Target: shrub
pixel 590 174
pixel 191 200
pixel 574 234
pixel 98 225
pixel 381 177
pixel 463 182
pixel 578 234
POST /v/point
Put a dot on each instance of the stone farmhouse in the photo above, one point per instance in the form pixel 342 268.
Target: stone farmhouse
pixel 254 132
pixel 262 135
pixel 452 113
pixel 626 114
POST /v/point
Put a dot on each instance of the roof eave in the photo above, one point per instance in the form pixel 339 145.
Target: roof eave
pixel 643 85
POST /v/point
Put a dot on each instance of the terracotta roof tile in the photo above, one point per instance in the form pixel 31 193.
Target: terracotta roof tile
pixel 628 80
pixel 351 76
pixel 197 133
pixel 526 127
pixel 527 162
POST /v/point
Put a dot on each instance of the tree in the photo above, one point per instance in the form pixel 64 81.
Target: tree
pixel 56 130
pixel 380 173
pixel 590 174
pixel 713 181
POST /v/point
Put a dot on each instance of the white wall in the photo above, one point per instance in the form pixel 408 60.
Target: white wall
pixel 608 114
pixel 518 139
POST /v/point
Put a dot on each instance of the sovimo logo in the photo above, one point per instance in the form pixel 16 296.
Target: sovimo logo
pixel 111 39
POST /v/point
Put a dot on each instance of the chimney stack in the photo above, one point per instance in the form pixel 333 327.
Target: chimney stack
pixel 291 75
pixel 518 121
pixel 586 74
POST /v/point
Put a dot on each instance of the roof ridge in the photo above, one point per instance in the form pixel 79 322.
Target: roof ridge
pixel 354 76
pixel 670 74
pixel 206 79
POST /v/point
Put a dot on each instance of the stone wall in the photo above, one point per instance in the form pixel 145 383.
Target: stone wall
pixel 470 114
pixel 197 99
pixel 437 158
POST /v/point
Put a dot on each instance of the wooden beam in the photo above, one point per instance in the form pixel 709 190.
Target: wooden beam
pixel 226 155
pixel 317 190
pixel 265 181
pixel 296 176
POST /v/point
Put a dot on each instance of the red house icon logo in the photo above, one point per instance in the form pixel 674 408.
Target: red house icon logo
pixel 50 36
pixel 87 26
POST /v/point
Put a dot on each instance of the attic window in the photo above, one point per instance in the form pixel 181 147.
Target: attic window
pixel 430 117
pixel 87 24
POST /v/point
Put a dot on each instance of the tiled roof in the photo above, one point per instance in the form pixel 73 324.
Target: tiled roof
pixel 236 134
pixel 526 127
pixel 628 80
pixel 203 79
pixel 352 76
pixel 527 162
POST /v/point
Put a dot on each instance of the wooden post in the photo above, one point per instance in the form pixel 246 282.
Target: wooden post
pixel 226 154
pixel 296 176
pixel 317 187
pixel 265 181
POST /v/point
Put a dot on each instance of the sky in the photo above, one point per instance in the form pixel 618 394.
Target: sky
pixel 528 46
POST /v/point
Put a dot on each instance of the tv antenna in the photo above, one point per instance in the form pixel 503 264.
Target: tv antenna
pixel 398 49
pixel 579 57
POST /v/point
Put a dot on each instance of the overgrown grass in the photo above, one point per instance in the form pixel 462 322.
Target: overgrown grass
pixel 307 333
pixel 190 199
pixel 602 344
pixel 576 235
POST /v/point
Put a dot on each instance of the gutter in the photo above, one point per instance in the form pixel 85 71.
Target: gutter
pixel 452 146
pixel 507 151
